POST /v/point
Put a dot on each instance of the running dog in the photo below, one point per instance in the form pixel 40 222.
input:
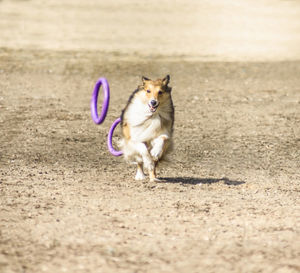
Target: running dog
pixel 147 126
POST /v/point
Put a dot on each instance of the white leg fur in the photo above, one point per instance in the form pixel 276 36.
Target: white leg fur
pixel 139 172
pixel 148 162
pixel 158 146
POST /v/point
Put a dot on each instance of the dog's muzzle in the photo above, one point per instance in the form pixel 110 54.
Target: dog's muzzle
pixel 153 105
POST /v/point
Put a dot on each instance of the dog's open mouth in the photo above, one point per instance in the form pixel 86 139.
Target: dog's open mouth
pixel 153 108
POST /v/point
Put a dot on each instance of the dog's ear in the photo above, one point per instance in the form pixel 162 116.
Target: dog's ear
pixel 166 80
pixel 144 79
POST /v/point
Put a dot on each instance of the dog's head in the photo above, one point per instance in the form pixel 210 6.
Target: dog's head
pixel 155 93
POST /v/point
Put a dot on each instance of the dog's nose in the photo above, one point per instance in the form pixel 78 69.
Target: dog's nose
pixel 153 103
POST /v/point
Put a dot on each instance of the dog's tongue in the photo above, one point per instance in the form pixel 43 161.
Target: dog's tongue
pixel 152 109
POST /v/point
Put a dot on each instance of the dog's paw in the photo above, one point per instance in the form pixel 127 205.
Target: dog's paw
pixel 139 175
pixel 156 153
pixel 155 179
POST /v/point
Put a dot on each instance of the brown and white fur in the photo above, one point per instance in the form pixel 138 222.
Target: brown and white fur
pixel 147 125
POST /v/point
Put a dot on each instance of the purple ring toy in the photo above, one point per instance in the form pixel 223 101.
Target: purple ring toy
pixel 109 138
pixel 105 104
pixel 94 101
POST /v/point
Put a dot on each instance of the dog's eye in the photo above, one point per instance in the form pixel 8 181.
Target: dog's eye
pixel 148 91
pixel 160 92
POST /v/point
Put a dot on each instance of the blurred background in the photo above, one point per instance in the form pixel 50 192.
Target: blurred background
pixel 202 30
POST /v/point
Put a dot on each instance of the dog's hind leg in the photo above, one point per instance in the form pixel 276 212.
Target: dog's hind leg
pixel 139 172
pixel 148 163
pixel 152 174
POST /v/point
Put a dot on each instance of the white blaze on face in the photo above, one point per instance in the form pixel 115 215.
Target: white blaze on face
pixel 152 96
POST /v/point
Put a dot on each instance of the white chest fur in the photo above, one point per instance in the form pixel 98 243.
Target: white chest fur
pixel 144 125
pixel 146 131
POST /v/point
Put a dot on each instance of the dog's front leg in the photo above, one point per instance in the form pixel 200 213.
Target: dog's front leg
pixel 158 147
pixel 147 160
pixel 139 172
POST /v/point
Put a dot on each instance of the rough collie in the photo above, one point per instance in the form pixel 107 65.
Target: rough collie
pixel 147 126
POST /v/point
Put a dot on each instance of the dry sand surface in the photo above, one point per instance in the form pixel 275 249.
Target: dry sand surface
pixel 229 197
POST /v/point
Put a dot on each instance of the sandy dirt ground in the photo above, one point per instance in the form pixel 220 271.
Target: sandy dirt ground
pixel 229 197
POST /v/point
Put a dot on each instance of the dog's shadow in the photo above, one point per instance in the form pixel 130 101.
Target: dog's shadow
pixel 196 181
